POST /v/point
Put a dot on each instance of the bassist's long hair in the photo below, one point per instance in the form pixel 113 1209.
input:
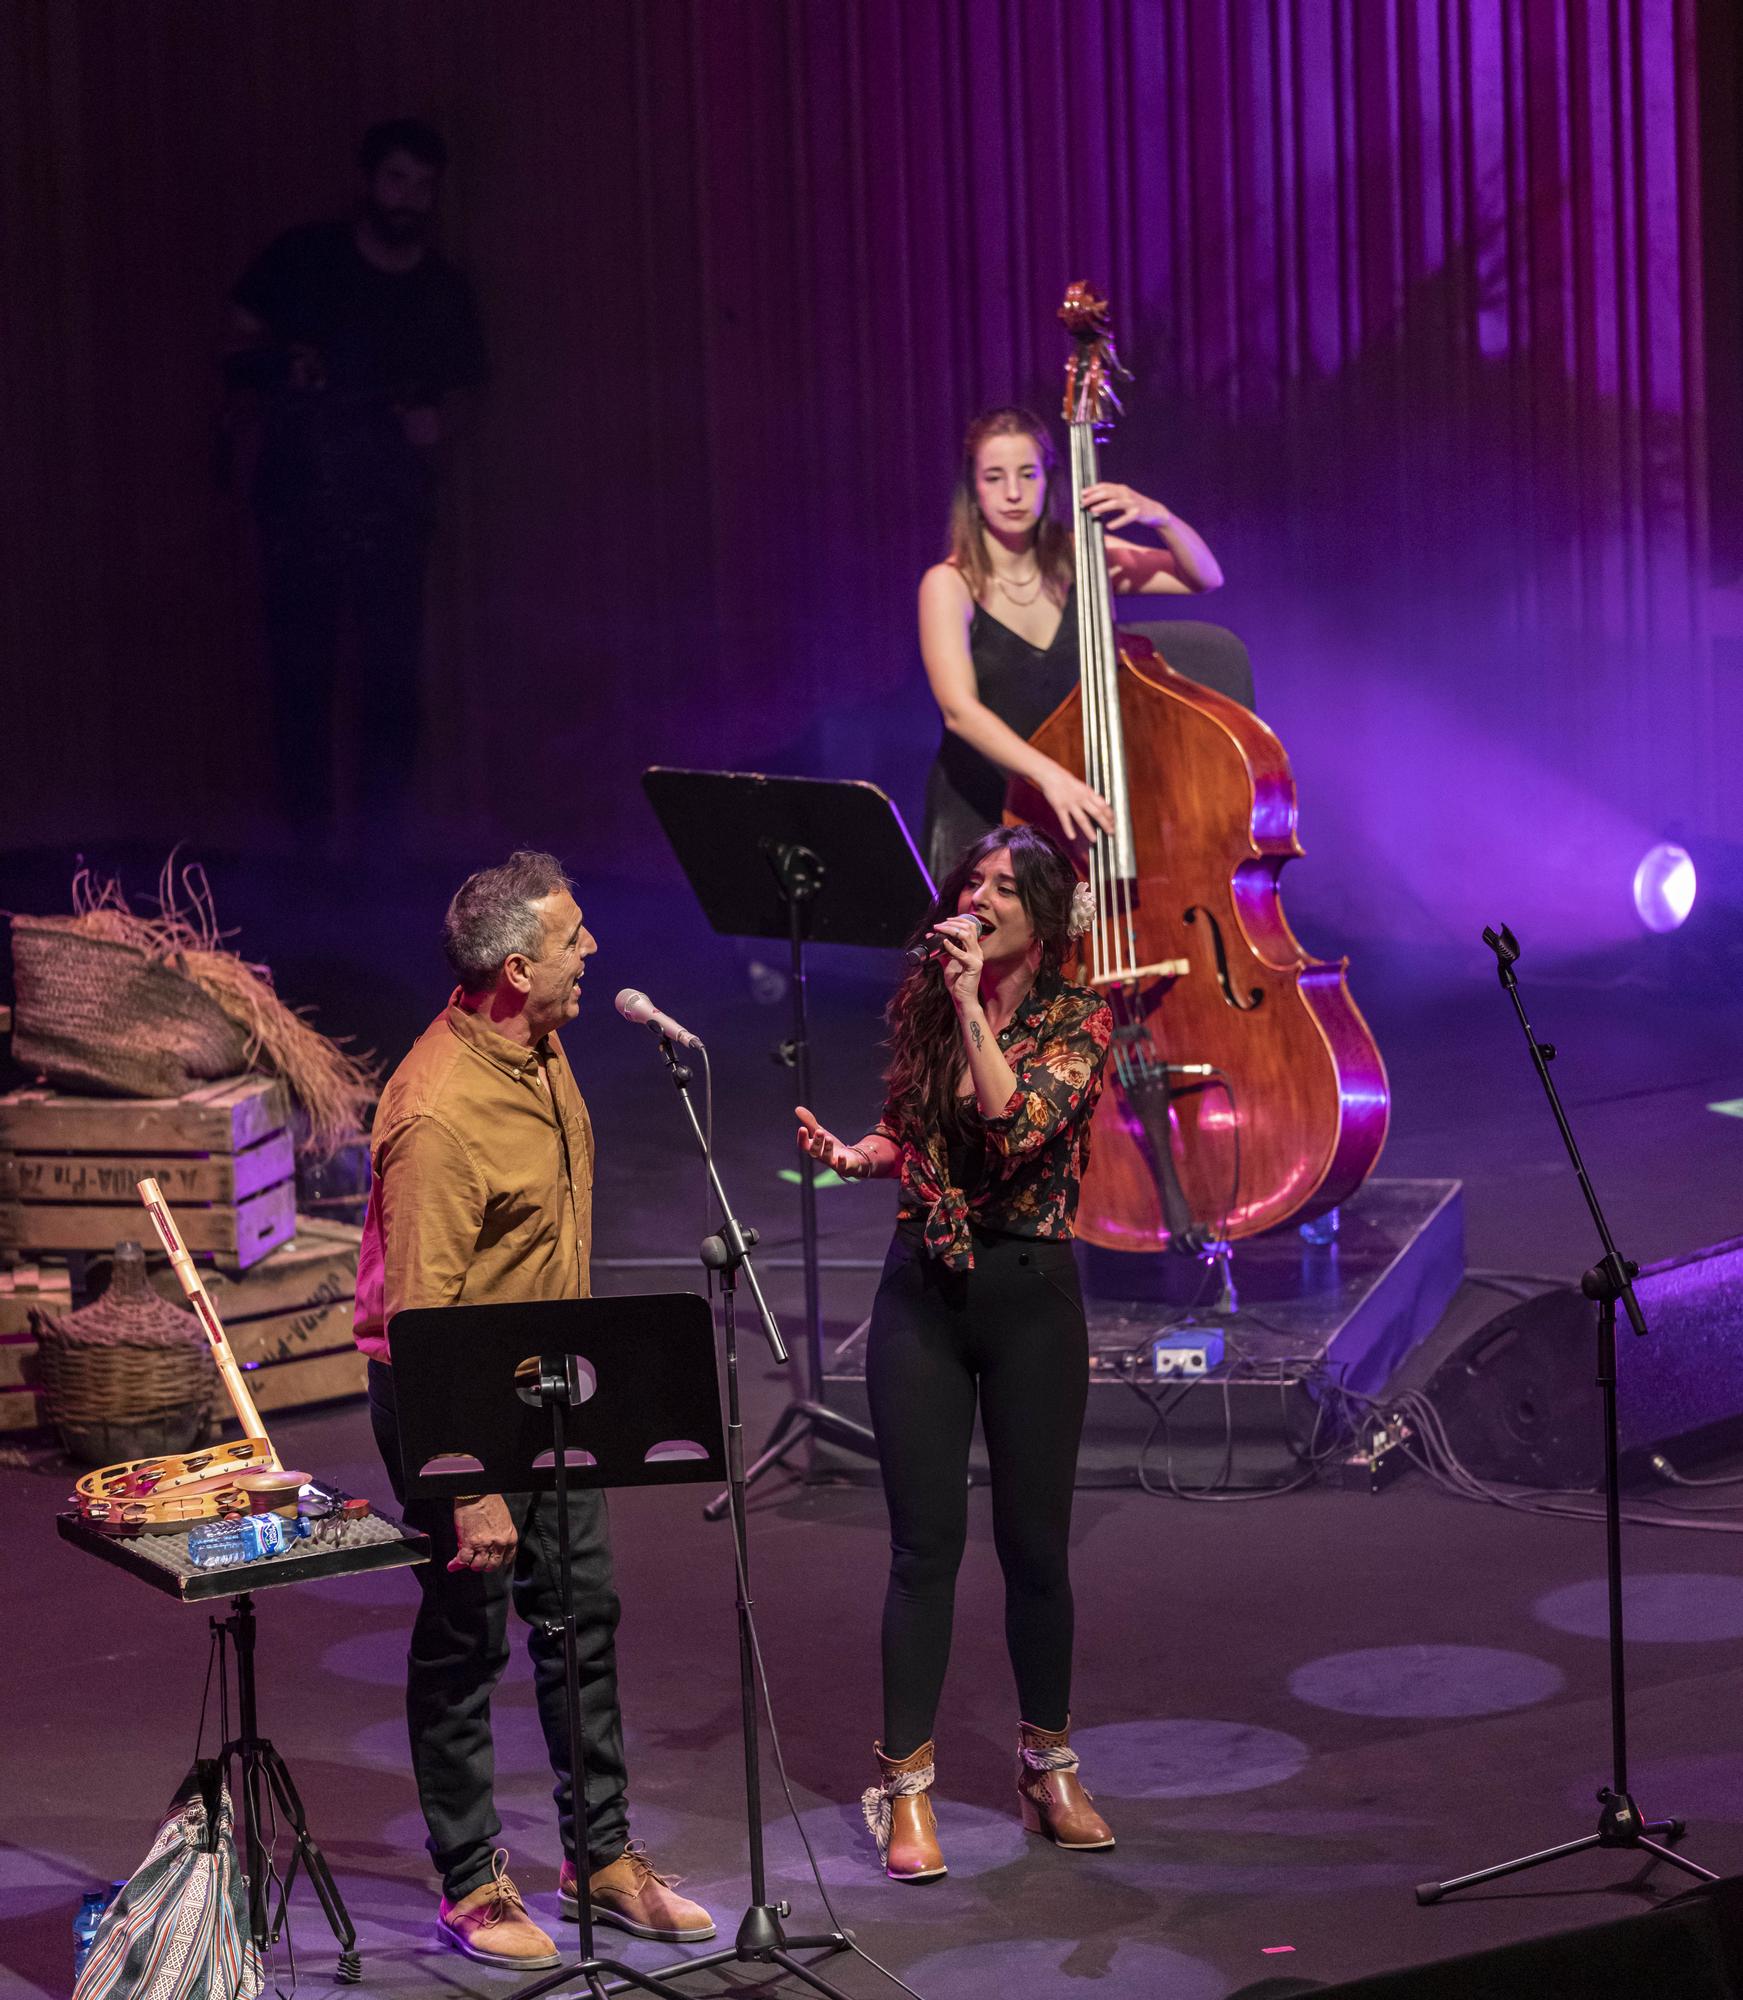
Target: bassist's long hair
pixel 925 1043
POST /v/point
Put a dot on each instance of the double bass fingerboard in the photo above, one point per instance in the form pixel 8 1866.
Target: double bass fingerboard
pixel 1091 402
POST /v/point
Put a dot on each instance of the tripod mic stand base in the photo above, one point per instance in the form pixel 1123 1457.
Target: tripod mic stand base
pixel 1619 1825
pixel 800 1423
pixel 762 1941
pixel 601 1977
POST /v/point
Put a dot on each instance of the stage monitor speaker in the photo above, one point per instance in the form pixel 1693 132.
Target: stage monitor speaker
pixel 1519 1398
pixel 1690 1948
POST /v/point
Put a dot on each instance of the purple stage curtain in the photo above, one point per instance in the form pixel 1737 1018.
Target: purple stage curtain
pixel 1411 288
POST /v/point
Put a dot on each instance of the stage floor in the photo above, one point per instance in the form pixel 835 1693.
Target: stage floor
pixel 1291 1710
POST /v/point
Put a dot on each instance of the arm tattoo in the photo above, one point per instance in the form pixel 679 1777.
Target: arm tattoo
pixel 974 1033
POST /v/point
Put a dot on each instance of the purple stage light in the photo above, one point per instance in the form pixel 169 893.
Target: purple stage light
pixel 1664 886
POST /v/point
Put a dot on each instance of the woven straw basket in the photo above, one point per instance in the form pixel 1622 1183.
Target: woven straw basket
pixel 127 1377
pixel 120 1402
pixel 94 1014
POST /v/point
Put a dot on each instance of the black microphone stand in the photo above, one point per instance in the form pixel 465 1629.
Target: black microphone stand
pixel 1610 1279
pixel 760 1938
pixel 553 1382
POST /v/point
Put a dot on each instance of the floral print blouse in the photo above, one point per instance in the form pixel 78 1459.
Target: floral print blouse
pixel 1036 1148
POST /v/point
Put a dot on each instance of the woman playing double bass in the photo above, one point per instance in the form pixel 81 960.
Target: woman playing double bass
pixel 998 630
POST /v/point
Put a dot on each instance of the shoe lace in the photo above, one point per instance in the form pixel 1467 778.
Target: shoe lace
pixel 636 1852
pixel 505 1898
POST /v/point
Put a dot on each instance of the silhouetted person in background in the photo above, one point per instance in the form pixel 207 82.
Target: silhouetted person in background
pixel 351 333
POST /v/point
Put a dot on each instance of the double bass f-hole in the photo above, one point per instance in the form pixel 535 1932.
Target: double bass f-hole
pixel 1255 994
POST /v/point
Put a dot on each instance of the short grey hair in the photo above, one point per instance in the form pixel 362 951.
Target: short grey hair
pixel 491 916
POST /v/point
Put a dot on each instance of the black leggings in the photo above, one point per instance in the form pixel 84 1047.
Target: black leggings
pixel 1013 1329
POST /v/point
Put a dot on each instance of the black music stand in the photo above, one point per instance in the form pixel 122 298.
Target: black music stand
pixel 554 1392
pixel 814 861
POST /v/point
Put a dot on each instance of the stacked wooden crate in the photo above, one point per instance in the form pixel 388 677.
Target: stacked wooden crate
pixel 222 1155
pixel 288 1318
pixel 282 1283
pixel 47 1288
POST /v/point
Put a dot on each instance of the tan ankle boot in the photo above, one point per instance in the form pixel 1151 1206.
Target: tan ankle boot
pixel 900 1816
pixel 1054 1800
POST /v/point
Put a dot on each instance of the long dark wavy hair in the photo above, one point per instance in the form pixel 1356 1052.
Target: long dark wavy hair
pixel 965 544
pixel 925 1046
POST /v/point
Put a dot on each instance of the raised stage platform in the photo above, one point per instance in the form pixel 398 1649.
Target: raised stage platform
pixel 1346 1311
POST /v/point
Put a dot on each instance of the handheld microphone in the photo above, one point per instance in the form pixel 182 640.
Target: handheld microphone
pixel 917 954
pixel 637 1007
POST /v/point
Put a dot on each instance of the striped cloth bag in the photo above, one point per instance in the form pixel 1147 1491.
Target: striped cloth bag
pixel 178 1929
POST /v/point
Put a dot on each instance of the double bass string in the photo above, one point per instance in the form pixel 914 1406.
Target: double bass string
pixel 1104 758
pixel 1095 746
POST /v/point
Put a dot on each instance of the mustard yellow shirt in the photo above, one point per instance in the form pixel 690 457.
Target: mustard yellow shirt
pixel 482 1183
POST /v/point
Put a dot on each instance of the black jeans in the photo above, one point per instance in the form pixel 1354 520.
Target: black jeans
pixel 459 1648
pixel 1012 1329
pixel 309 585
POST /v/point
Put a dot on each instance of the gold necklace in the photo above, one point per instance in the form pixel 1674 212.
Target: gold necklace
pixel 1012 595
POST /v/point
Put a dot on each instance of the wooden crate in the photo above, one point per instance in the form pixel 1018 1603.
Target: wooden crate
pixel 316 1378
pixel 43 1286
pixel 288 1320
pixel 222 1154
pixel 294 1303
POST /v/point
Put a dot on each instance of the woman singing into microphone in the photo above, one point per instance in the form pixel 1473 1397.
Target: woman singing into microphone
pixel 998 625
pixel 995 1071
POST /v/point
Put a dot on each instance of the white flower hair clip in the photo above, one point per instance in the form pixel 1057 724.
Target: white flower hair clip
pixel 1082 916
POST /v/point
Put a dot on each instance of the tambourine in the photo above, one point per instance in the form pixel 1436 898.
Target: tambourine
pixel 143 1495
pixel 163 1512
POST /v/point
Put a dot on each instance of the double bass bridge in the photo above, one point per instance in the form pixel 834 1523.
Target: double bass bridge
pixel 1134 994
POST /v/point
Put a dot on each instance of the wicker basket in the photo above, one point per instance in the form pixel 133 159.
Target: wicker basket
pixel 95 1014
pixel 127 1377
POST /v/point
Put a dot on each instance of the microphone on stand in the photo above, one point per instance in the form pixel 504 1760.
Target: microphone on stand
pixel 917 954
pixel 637 1007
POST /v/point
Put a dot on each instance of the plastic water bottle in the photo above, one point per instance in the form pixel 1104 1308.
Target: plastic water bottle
pixel 90 1914
pixel 1322 1229
pixel 243 1538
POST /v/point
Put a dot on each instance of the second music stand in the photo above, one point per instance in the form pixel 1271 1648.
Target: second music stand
pixel 814 861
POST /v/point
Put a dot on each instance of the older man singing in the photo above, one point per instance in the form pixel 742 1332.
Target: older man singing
pixel 483 1192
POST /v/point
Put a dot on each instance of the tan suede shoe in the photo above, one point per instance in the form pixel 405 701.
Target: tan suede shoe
pixel 491 1924
pixel 632 1895
pixel 1054 1801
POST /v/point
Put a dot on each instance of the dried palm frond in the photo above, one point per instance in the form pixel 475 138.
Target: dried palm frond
pixel 333 1087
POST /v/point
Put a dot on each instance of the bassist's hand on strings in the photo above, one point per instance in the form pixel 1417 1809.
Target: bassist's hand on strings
pixel 1117 506
pixel 1081 811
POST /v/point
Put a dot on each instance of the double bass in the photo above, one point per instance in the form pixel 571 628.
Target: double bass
pixel 1244 1089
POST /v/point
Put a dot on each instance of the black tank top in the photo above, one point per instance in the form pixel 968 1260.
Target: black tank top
pixel 1022 685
